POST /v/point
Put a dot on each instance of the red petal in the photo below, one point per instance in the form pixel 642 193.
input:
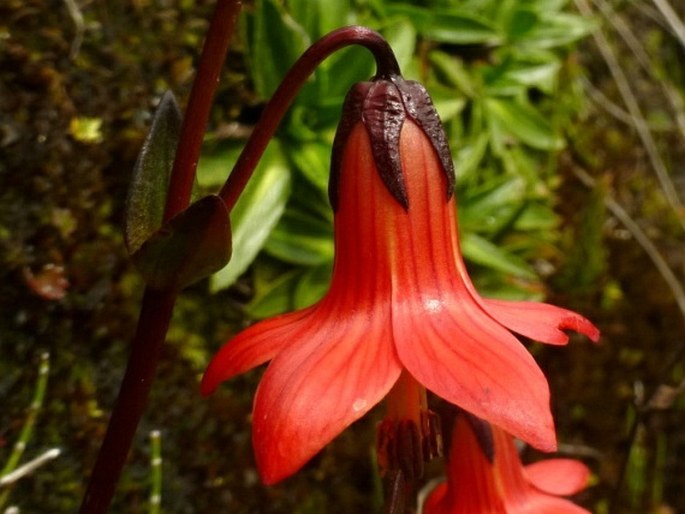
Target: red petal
pixel 562 477
pixel 472 487
pixel 542 504
pixel 252 347
pixel 435 501
pixel 539 321
pixel 462 355
pixel 313 390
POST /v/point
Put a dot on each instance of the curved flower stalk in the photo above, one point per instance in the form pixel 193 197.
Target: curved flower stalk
pixel 400 300
pixel 485 476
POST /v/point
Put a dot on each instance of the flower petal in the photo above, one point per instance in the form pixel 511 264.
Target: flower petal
pixel 562 477
pixel 471 486
pixel 312 391
pixel 543 504
pixel 252 347
pixel 435 502
pixel 539 321
pixel 459 353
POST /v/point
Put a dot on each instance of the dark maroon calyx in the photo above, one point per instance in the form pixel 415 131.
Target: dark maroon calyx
pixel 382 105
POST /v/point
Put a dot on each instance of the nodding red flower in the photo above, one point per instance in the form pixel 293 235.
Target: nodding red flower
pixel 400 299
pixel 485 476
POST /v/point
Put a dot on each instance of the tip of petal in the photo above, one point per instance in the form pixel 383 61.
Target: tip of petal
pixel 561 477
pixel 593 333
pixel 542 438
pixel 272 476
pixel 208 384
pixel 580 324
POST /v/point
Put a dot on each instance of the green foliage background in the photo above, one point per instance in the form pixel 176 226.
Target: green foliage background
pixel 529 104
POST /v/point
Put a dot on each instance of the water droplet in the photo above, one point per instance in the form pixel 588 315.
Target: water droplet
pixel 358 404
pixel 432 305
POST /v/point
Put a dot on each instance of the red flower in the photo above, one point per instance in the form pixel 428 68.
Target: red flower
pixel 400 298
pixel 500 484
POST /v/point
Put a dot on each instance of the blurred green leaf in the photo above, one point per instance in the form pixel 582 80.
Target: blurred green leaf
pixel 301 238
pixel 274 296
pixel 256 213
pixel 513 76
pixel 522 122
pixel 191 246
pixel 555 30
pixel 537 217
pixel 542 75
pixel 150 183
pixel 543 6
pixel 312 286
pixel 216 162
pixel 318 17
pixel 454 72
pixel 313 161
pixel 490 206
pixel 276 42
pixel 469 158
pixel 340 71
pixel 448 25
pixel 481 251
pixel 517 22
pixel 401 35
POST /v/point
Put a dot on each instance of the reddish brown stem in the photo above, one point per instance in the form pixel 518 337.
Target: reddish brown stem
pixel 274 111
pixel 199 106
pixel 155 314
pixel 157 306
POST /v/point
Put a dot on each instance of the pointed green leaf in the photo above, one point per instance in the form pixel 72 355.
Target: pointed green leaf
pixel 275 44
pixel 319 17
pixel 313 160
pixel 258 210
pixel 150 183
pixel 555 30
pixel 469 157
pixel 401 35
pixel 301 238
pixel 191 246
pixel 483 252
pixel 274 297
pixel 454 72
pixel 312 286
pixel 448 25
pixel 523 122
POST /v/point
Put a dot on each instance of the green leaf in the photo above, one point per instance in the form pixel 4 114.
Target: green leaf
pixel 543 6
pixel 340 71
pixel 256 213
pixel 216 162
pixel 150 183
pixel 448 25
pixel 555 30
pixel 301 238
pixel 454 72
pixel 191 246
pixel 276 42
pixel 312 286
pixel 313 161
pixel 542 75
pixel 275 296
pixel 469 158
pixel 481 251
pixel 520 23
pixel 521 121
pixel 401 35
pixel 320 17
pixel 488 207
